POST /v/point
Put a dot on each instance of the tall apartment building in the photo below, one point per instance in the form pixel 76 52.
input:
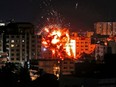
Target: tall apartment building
pixel 83 45
pixel 105 28
pixel 20 42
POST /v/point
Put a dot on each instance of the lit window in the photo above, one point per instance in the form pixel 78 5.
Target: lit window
pixel 12 41
pixel 23 40
pixel 12 45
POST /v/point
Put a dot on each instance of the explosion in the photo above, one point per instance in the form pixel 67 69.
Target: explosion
pixel 57 39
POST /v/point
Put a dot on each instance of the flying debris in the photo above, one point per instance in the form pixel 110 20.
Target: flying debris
pixel 76 5
pixel 42 17
pixel 48 19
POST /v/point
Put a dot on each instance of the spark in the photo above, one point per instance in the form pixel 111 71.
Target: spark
pixel 42 17
pixel 76 5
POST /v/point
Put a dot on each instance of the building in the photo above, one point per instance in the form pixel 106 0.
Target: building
pixel 57 66
pixel 51 66
pixel 105 28
pixel 73 35
pixel 83 45
pixel 1 42
pixel 111 47
pixel 3 58
pixel 89 34
pixel 20 42
pixel 100 51
pixel 67 66
pixel 2 30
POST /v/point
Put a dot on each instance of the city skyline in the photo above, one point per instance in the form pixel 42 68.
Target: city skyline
pixel 77 14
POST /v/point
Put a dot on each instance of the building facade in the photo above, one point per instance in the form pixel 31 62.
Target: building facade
pixel 89 34
pixel 83 45
pixel 51 66
pixel 111 47
pixel 20 42
pixel 67 67
pixel 3 59
pixel 105 28
pixel 100 51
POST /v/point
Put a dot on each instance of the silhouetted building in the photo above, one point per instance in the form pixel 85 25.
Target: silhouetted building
pixel 67 67
pixel 20 42
pixel 111 47
pixel 51 66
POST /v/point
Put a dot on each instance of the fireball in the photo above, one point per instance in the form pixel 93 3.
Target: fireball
pixel 57 39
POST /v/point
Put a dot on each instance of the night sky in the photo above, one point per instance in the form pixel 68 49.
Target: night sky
pixel 78 14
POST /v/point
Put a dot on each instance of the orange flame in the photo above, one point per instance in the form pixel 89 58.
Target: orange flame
pixel 58 40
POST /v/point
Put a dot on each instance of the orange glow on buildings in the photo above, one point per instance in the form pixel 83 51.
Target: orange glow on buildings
pixel 83 45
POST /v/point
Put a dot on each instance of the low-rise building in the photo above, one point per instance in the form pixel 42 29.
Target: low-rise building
pixel 67 67
pixel 51 66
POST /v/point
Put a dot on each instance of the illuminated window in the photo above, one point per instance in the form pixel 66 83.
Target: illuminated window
pixel 12 41
pixel 12 45
pixel 23 40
